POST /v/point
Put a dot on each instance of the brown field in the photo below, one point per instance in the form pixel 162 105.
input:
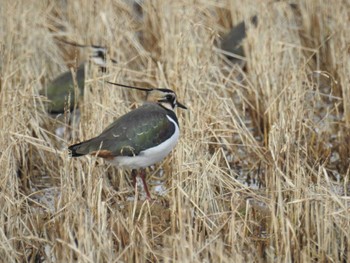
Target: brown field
pixel 260 174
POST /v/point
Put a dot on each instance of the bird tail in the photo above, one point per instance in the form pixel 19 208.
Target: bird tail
pixel 78 149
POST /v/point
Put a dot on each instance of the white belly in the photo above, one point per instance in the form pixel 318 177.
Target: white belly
pixel 150 156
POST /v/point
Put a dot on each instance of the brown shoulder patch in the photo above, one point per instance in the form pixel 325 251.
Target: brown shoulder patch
pixel 103 154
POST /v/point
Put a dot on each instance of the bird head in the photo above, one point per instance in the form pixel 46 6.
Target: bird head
pixel 164 97
pixel 98 54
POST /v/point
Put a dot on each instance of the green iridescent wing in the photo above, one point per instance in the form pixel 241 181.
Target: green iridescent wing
pixel 62 88
pixel 136 131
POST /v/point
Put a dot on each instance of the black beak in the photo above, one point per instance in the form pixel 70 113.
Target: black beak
pixel 181 105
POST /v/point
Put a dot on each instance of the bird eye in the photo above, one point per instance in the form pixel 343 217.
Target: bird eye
pixel 169 97
pixel 100 54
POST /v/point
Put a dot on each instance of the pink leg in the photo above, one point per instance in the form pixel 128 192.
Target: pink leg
pixel 134 174
pixel 143 178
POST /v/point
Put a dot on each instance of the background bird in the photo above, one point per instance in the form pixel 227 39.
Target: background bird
pixel 61 93
pixel 139 138
pixel 232 41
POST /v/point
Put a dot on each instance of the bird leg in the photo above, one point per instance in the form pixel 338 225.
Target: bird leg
pixel 134 174
pixel 143 178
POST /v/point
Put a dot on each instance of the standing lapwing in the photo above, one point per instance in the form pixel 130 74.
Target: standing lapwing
pixel 61 93
pixel 140 138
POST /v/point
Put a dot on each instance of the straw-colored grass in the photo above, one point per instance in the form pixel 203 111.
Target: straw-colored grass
pixel 260 174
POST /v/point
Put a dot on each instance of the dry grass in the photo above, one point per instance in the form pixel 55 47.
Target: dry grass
pixel 261 173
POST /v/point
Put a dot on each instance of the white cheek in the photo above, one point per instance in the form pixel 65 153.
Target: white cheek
pixel 99 61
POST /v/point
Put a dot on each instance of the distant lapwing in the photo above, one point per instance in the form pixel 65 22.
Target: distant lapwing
pixel 140 138
pixel 60 92
pixel 232 42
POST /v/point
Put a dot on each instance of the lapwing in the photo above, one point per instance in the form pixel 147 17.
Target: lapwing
pixel 232 44
pixel 61 93
pixel 140 138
